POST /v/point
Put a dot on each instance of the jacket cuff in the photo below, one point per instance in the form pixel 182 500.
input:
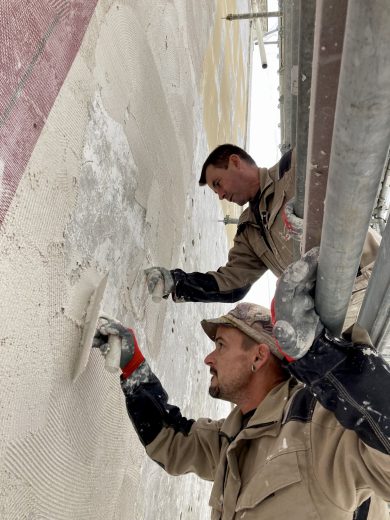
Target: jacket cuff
pixel 202 287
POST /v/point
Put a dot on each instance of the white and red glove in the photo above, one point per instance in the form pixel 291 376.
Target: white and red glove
pixel 111 334
pixel 293 224
pixel 296 323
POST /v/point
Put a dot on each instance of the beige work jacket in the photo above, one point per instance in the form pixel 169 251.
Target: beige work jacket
pixel 253 253
pixel 279 466
pixel 258 248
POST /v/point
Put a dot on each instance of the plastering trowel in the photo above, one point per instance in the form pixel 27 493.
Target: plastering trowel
pixel 89 329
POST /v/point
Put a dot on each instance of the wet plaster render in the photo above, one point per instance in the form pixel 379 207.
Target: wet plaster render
pixel 112 186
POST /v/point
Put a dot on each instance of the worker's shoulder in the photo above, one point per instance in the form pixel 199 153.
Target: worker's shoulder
pixel 285 164
pixel 208 424
pixel 300 405
pixel 304 406
pixel 284 170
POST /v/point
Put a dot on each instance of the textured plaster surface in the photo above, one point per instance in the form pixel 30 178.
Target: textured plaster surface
pixel 111 186
pixel 225 85
pixel 39 41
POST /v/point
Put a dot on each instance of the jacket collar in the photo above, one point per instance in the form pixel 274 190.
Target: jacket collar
pixel 265 179
pixel 268 414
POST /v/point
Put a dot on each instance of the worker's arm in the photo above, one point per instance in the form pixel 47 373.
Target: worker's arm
pixel 228 284
pixel 351 434
pixel 178 444
pixel 348 377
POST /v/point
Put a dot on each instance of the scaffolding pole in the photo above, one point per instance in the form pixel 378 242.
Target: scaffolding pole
pixel 375 310
pixel 250 16
pixel 327 52
pixel 307 10
pixel 260 35
pixel 359 146
pixel 294 70
pixel 381 210
pixel 284 75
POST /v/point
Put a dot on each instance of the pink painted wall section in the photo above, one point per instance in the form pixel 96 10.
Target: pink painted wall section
pixel 38 43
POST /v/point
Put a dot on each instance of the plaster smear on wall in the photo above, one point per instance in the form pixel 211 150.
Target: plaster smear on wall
pixel 111 187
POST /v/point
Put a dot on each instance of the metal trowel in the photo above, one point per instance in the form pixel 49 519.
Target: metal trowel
pixel 91 318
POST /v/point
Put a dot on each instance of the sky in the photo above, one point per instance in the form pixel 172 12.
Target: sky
pixel 264 134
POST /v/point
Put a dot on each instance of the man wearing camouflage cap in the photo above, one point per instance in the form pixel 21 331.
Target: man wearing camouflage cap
pixel 287 450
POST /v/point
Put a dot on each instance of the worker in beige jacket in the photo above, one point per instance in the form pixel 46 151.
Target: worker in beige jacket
pixel 265 232
pixel 318 450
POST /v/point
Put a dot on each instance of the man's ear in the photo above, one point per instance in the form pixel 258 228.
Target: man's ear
pixel 235 160
pixel 262 355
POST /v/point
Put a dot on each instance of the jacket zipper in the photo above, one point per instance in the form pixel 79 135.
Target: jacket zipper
pixel 262 219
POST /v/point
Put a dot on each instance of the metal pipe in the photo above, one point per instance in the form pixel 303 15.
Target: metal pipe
pixel 285 74
pixel 380 333
pixel 281 72
pixel 260 36
pixel 307 11
pixel 381 210
pixel 360 141
pixel 375 308
pixel 249 88
pixel 229 220
pixel 327 51
pixel 294 70
pixel 276 30
pixel 250 16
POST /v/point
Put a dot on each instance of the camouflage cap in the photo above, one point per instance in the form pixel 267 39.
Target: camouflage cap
pixel 253 320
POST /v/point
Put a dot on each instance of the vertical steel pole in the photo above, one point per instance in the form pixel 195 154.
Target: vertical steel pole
pixel 360 142
pixel 327 50
pixel 307 11
pixel 375 309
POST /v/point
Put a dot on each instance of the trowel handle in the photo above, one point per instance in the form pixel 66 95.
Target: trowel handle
pixel 158 291
pixel 113 357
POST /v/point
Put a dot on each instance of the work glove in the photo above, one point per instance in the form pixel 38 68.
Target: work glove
pixel 160 282
pixel 293 224
pixel 119 346
pixel 296 323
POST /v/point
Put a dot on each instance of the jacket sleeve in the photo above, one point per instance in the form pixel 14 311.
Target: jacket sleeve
pixel 179 445
pixel 228 284
pixel 352 381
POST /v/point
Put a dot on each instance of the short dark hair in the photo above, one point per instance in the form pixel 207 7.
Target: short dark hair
pixel 220 159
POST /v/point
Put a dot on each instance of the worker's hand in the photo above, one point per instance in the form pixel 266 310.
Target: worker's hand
pixel 118 345
pixel 296 323
pixel 294 224
pixel 160 282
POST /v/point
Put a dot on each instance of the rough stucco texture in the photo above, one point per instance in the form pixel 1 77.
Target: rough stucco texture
pixel 110 185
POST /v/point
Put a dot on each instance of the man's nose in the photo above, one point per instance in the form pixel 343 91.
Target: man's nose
pixel 209 360
pixel 221 195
